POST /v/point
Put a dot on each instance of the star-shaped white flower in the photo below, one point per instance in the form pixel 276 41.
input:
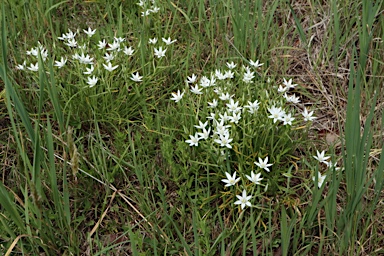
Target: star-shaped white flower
pixel 193 140
pixel 213 104
pixel 89 32
pixel 321 157
pixel 287 119
pixel 255 64
pixel 196 90
pixel 263 164
pixel 168 41
pixel 136 77
pixel 61 63
pixel 89 70
pixel 243 200
pixel 34 67
pixel 177 96
pixel 102 44
pixel 255 178
pixel 152 40
pixel 308 116
pixel 230 180
pixel 201 125
pixel 128 51
pixel 21 66
pixel 289 84
pixel 191 79
pixel 231 65
pixel 320 179
pixel 159 53
pixel 204 134
pixel 92 81
pixel 224 140
pixel 276 113
pixel 109 67
pixel 252 106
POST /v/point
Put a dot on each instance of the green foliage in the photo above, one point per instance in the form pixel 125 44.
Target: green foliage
pixel 107 170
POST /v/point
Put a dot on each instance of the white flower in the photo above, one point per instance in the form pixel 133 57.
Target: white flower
pixel 69 35
pixel 89 32
pixel 243 200
pixel 34 67
pixel 252 106
pixel 201 125
pixel 219 74
pixel 92 81
pixel 320 157
pixel 248 76
pixel 235 118
pixel 152 41
pixel 159 52
pixel 21 66
pixel 220 128
pixel 224 96
pixel 85 59
pixel 255 178
pixel 168 41
pixel 224 117
pixel 287 119
pixel 193 141
pixel 75 56
pixel 212 82
pixel 320 179
pixel 114 46
pixel 89 70
pixel 308 116
pixel 229 74
pixel 204 134
pixel 109 67
pixel 292 98
pixel 263 164
pixel 128 51
pixel 211 116
pixel 289 84
pixel 224 140
pixel 146 13
pixel 155 9
pixel 213 104
pixel 61 63
pixel 233 106
pixel 71 43
pixel 196 90
pixel 205 82
pixel 177 96
pixel 142 3
pixel 108 57
pixel 231 65
pixel 282 89
pixel 255 64
pixel 230 180
pixel 33 51
pixel 332 165
pixel 137 77
pixel 276 113
pixel 102 44
pixel 119 39
pixel 191 79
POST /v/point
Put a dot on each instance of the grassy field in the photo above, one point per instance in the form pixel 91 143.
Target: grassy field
pixel 201 127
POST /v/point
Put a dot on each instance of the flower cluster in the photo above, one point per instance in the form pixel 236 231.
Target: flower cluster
pixel 228 112
pixel 321 158
pixel 83 58
pixel 149 7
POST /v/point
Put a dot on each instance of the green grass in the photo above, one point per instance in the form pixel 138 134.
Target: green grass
pixel 106 170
